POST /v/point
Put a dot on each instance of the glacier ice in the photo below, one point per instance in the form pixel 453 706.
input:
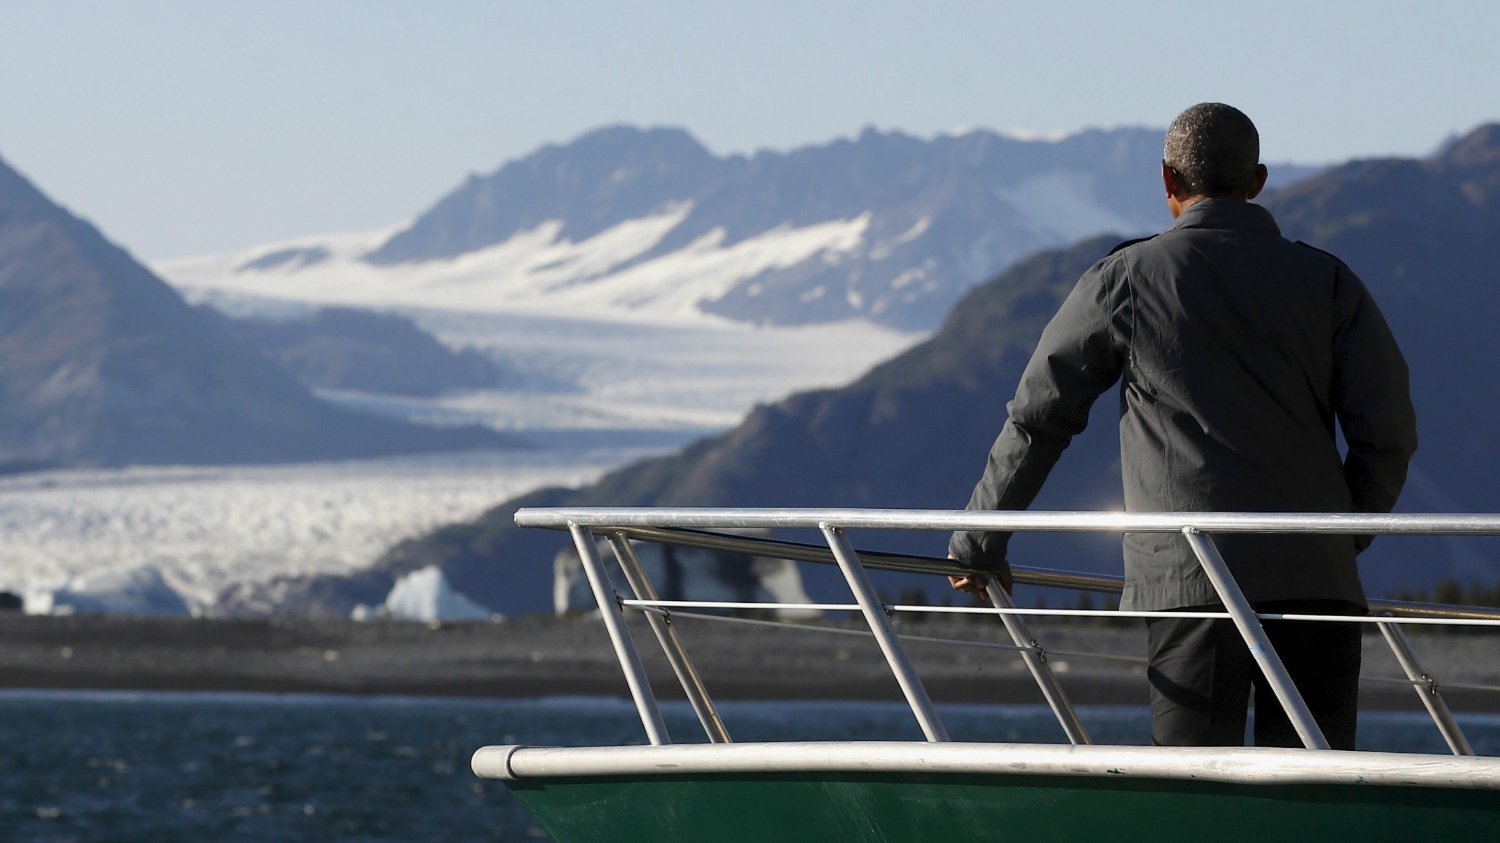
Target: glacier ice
pixel 205 528
pixel 424 595
pixel 686 573
pixel 131 591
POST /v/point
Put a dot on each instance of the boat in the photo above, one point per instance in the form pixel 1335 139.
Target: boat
pixel 940 790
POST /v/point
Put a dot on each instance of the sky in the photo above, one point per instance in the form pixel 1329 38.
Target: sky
pixel 189 127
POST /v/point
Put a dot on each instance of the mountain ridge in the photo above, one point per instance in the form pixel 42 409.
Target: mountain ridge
pixel 102 363
pixel 625 221
pixel 948 182
pixel 337 348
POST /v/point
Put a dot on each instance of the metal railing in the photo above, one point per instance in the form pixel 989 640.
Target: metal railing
pixel 691 527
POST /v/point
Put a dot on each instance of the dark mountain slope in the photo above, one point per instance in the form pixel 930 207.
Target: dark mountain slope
pixel 102 363
pixel 599 180
pixel 345 348
pixel 1425 236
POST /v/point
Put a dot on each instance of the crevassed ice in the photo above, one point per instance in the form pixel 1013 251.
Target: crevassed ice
pixel 203 528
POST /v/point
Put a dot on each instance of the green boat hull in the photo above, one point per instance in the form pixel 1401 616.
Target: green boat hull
pixel 916 808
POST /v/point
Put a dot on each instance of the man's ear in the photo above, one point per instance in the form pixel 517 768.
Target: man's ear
pixel 1261 174
pixel 1169 181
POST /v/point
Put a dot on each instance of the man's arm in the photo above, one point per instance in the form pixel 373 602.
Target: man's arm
pixel 1372 397
pixel 1079 356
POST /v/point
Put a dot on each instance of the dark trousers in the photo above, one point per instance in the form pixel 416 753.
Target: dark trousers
pixel 1201 676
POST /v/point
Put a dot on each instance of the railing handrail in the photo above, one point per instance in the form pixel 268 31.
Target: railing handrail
pixel 1339 523
pixel 676 525
pixel 1025 575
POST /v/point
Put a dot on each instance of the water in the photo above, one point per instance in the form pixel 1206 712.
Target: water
pixel 106 766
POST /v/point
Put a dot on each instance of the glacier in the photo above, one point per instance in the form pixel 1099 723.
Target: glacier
pixel 619 392
pixel 202 529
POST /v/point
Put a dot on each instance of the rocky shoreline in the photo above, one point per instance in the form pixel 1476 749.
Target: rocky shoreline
pixel 544 656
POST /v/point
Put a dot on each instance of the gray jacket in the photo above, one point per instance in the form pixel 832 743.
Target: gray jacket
pixel 1238 350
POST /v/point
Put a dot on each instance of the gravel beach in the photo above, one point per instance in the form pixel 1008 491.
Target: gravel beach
pixel 541 656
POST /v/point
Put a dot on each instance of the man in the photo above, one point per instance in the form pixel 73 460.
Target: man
pixel 1239 350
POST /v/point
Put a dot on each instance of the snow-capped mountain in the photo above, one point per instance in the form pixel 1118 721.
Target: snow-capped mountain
pixel 633 224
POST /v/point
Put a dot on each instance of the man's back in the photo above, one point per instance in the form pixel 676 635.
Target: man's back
pixel 1243 349
pixel 1241 354
pixel 1231 368
pixel 1238 351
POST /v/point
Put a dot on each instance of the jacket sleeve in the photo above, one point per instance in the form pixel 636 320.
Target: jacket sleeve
pixel 1372 398
pixel 1079 356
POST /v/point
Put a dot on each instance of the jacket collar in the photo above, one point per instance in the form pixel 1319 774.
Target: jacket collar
pixel 1227 214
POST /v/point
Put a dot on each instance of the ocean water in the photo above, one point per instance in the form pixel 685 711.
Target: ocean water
pixel 117 766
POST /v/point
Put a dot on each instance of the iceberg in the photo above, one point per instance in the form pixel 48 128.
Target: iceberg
pixel 424 595
pixel 133 591
pixel 686 573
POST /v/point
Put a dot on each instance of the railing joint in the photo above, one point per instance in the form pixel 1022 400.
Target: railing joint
pixel 874 611
pixel 1247 621
pixel 666 635
pixel 619 634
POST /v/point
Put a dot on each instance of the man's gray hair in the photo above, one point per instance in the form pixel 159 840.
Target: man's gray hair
pixel 1214 149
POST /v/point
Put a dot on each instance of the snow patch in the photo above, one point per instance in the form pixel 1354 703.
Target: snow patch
pixel 1032 136
pixel 1061 207
pixel 535 272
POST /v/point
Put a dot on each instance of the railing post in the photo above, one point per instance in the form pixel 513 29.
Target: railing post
pixel 619 636
pixel 1427 690
pixel 880 625
pixel 1037 664
pixel 1255 638
pixel 671 645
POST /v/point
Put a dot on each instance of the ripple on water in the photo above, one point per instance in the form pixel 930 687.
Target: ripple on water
pixel 89 766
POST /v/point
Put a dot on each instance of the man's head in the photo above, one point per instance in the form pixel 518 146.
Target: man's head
pixel 1212 152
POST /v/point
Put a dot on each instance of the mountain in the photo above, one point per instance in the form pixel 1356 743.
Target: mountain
pixel 340 348
pixel 648 224
pixel 103 363
pixel 913 432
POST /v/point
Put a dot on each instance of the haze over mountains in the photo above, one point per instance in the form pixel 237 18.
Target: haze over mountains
pixel 628 238
pixel 1424 235
pixel 101 363
pixel 647 224
pixel 339 348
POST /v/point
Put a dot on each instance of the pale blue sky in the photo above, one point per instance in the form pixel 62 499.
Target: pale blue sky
pixel 184 127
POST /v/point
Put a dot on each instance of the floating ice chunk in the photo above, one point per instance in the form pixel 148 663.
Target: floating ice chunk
pixel 687 573
pixel 133 591
pixel 425 595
